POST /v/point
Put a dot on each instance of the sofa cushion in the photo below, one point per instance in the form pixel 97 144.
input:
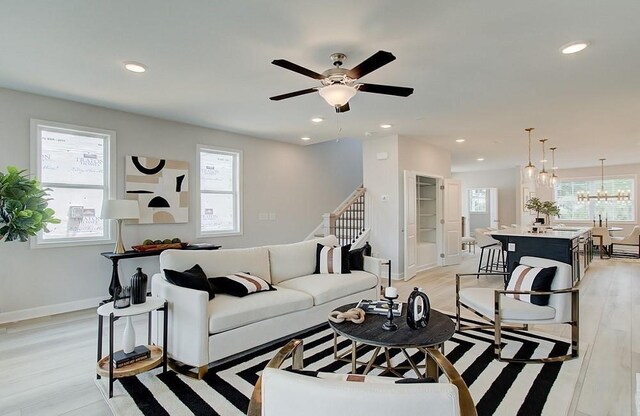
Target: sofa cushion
pixel 220 262
pixel 333 260
pixel 295 260
pixel 194 278
pixel 239 284
pixel 227 312
pixel 482 300
pixel 327 287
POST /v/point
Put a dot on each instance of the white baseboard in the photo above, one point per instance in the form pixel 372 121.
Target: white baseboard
pixel 40 311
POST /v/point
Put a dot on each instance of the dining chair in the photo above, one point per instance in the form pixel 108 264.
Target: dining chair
pixel 603 239
pixel 633 239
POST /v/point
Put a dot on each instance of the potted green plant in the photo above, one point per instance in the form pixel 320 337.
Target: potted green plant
pixel 23 206
pixel 550 208
pixel 534 204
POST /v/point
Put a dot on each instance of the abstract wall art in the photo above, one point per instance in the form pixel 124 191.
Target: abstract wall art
pixel 161 188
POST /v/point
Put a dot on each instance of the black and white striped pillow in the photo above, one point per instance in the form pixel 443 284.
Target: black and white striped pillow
pixel 528 278
pixel 240 284
pixel 332 260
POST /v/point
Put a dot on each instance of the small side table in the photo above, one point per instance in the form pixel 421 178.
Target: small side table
pixel 158 354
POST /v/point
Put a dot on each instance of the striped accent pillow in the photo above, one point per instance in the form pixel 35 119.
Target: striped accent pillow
pixel 332 260
pixel 240 284
pixel 528 278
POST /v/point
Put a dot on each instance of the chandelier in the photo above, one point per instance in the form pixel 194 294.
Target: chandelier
pixel 602 195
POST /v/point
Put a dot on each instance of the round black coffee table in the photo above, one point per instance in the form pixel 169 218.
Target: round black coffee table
pixel 370 332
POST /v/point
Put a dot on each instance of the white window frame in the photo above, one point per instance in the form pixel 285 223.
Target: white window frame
pixel 237 183
pixel 634 197
pixel 109 179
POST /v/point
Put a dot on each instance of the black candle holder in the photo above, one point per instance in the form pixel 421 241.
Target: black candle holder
pixel 390 325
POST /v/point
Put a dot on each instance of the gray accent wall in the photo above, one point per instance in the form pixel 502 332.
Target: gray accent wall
pixel 296 183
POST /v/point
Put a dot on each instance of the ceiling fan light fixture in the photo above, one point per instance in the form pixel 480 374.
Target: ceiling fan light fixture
pixel 337 95
pixel 574 47
pixel 136 67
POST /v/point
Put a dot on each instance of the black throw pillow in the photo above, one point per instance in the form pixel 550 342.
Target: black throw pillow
pixel 528 278
pixel 332 260
pixel 356 258
pixel 194 278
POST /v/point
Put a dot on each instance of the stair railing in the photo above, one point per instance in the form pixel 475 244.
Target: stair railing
pixel 347 223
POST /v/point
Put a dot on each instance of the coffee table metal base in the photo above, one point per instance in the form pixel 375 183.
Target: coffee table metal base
pixel 430 367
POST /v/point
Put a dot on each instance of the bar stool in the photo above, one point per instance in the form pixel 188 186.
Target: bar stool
pixel 469 242
pixel 495 259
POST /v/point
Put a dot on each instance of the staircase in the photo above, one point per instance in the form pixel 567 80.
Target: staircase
pixel 347 222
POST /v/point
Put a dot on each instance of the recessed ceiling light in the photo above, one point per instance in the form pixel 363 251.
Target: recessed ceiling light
pixel 306 139
pixel 136 67
pixel 459 140
pixel 385 126
pixel 480 159
pixel 574 47
pixel 317 119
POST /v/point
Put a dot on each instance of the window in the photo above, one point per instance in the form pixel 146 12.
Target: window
pixel 612 210
pixel 75 163
pixel 478 200
pixel 219 185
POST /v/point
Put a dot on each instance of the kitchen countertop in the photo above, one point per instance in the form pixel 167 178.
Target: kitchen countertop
pixel 568 233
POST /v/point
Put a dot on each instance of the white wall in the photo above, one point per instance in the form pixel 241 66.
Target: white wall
pixel 381 179
pixel 507 181
pixel 297 183
pixel 386 177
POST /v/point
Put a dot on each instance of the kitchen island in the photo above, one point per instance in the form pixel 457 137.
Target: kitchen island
pixel 568 245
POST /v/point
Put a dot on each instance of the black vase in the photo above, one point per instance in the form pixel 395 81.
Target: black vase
pixel 418 309
pixel 138 287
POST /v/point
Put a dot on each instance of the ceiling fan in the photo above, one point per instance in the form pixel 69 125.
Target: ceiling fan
pixel 339 84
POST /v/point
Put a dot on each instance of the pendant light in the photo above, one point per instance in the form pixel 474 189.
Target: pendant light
pixel 554 178
pixel 543 175
pixel 530 169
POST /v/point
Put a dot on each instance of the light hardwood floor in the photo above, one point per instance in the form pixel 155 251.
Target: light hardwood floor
pixel 47 365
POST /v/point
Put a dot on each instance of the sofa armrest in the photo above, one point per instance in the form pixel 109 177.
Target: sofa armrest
pixel 374 266
pixel 188 337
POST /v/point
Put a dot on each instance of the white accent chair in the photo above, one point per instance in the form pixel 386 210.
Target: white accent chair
pixel 285 393
pixel 602 238
pixel 633 239
pixel 505 312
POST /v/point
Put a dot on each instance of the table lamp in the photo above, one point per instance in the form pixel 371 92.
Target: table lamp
pixel 120 210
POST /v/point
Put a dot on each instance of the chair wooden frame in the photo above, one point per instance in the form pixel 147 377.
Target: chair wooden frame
pixel 294 349
pixel 496 322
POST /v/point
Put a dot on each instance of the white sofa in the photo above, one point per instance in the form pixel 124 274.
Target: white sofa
pixel 203 331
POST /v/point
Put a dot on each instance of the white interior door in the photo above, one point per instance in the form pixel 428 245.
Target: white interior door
pixel 452 222
pixel 410 225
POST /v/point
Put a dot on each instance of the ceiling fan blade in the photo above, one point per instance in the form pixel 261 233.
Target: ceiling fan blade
pixel 370 64
pixel 283 63
pixel 342 109
pixel 293 94
pixel 386 89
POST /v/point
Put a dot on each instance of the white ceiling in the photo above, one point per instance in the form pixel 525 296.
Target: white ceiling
pixel 481 70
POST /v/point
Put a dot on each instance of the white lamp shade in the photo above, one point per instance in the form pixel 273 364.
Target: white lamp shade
pixel 120 209
pixel 337 94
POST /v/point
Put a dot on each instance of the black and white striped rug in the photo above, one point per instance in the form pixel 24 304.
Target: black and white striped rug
pixel 497 388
